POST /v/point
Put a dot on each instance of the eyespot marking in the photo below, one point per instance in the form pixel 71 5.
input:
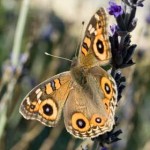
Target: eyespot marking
pixel 106 86
pixel 99 47
pixel 97 120
pixel 80 122
pixel 48 109
pixel 33 106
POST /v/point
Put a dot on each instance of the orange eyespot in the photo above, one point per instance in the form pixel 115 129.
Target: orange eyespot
pixel 33 107
pixel 97 120
pixel 80 122
pixel 107 105
pixel 100 48
pixel 106 86
pixel 48 109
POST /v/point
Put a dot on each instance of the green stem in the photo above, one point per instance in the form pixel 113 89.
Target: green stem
pixel 4 103
pixel 19 32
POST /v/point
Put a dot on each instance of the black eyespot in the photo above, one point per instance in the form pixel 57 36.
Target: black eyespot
pixel 100 46
pixel 32 106
pixel 47 109
pixel 80 123
pixel 107 88
pixel 98 120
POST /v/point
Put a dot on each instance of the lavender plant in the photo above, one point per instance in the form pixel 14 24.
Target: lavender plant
pixel 122 53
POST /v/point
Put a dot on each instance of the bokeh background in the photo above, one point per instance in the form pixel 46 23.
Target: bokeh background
pixel 28 28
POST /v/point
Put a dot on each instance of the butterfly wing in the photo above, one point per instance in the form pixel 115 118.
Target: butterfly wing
pixel 95 48
pixel 89 110
pixel 45 102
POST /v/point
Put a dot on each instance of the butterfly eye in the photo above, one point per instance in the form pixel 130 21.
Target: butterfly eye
pixel 48 109
pixel 97 120
pixel 80 122
pixel 106 87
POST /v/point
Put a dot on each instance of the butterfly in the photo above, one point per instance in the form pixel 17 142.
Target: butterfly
pixel 86 95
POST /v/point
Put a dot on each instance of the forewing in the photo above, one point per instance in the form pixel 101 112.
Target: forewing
pixel 95 48
pixel 45 102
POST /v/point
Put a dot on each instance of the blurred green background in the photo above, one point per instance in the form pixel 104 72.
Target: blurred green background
pixel 28 28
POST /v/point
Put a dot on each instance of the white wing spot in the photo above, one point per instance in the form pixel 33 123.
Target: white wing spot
pixel 90 27
pixel 92 30
pixel 37 91
pixel 28 100
pixel 39 94
pixel 96 16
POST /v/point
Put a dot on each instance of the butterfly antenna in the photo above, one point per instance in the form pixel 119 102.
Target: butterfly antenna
pixel 58 57
pixel 79 41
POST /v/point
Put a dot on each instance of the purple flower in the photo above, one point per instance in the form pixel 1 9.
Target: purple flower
pixel 104 148
pixel 115 9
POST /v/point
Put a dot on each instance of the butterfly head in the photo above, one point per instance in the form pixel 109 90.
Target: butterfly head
pixel 74 62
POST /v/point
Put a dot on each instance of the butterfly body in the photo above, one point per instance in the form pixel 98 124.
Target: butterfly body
pixel 86 95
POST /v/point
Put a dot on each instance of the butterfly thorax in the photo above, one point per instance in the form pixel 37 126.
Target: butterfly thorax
pixel 78 72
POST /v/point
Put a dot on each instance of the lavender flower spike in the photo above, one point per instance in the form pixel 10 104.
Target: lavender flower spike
pixel 114 28
pixel 115 9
